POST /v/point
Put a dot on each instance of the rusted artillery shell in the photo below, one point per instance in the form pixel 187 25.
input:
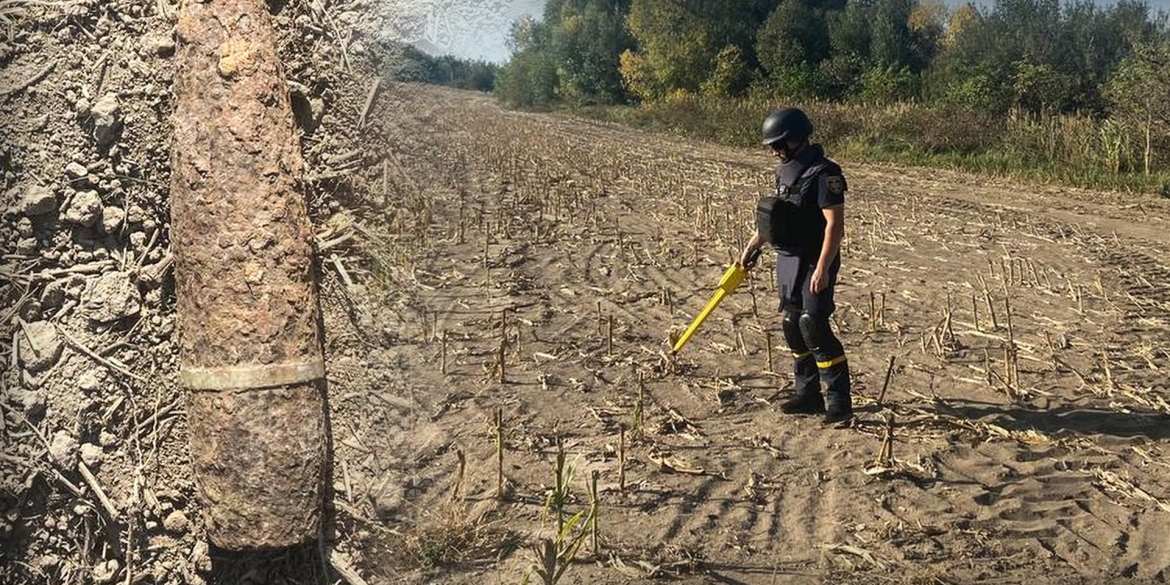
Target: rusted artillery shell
pixel 247 308
pixel 258 460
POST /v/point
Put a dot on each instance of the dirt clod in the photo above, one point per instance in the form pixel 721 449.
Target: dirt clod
pixel 105 572
pixel 41 346
pixel 177 522
pixel 75 171
pixel 37 200
pixel 31 402
pixel 112 218
pixel 107 119
pixel 85 209
pixel 91 455
pixel 111 297
pixel 63 449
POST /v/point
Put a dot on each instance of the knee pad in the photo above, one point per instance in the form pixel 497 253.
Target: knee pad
pixel 815 331
pixel 792 334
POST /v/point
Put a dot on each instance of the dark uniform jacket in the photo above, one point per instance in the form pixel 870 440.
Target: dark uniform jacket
pixel 792 219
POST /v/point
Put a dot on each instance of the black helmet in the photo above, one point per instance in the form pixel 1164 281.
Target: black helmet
pixel 787 124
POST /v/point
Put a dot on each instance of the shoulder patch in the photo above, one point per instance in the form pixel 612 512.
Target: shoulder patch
pixel 836 184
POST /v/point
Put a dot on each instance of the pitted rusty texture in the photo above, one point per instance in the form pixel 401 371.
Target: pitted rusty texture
pixel 259 482
pixel 246 299
pixel 239 225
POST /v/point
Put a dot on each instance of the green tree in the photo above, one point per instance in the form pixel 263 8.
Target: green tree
pixel 529 79
pixel 892 42
pixel 849 30
pixel 962 17
pixel 586 40
pixel 675 44
pixel 927 24
pixel 888 83
pixel 731 75
pixel 1094 42
pixel 840 76
pixel 1039 88
pixel 530 76
pixel 679 40
pixel 1139 95
pixel 794 35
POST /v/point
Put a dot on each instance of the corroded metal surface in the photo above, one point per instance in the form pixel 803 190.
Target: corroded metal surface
pixel 247 306
pixel 258 457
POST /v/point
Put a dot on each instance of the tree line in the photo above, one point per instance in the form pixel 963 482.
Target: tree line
pixel 1031 54
pixel 1014 58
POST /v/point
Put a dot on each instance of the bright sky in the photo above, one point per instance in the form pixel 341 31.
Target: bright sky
pixel 471 29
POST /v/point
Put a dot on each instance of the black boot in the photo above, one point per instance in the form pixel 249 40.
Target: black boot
pixel 806 385
pixel 835 376
pixel 810 403
pixel 837 413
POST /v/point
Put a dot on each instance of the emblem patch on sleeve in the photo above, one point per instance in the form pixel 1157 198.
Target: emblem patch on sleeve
pixel 836 184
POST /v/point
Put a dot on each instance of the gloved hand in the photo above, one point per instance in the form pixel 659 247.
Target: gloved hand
pixel 747 260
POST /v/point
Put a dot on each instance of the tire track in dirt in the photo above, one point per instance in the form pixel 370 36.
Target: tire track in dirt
pixel 1041 501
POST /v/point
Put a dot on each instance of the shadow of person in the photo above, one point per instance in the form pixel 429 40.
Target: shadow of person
pixel 1065 419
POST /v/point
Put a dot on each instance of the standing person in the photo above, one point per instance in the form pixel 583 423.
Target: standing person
pixel 804 221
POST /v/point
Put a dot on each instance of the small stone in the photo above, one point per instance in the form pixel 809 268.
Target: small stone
pixel 390 502
pixel 107 119
pixel 105 572
pixel 76 170
pixel 32 402
pixel 40 346
pixel 176 522
pixel 163 46
pixel 92 455
pixel 112 297
pixel 136 214
pixel 26 246
pixel 107 439
pixel 38 200
pixel 47 562
pixel 54 295
pixel 85 209
pixel 89 381
pixel 82 107
pixel 138 241
pixel 112 218
pixel 201 557
pixel 63 448
pixel 24 227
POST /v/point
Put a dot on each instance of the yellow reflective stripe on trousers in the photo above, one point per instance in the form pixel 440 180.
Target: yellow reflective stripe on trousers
pixel 831 363
pixel 800 356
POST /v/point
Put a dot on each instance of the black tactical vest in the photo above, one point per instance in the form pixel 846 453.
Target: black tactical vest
pixel 791 219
